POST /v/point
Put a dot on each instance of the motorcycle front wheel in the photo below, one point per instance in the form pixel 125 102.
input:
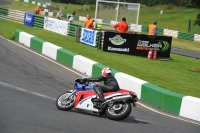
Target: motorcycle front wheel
pixel 64 103
pixel 118 111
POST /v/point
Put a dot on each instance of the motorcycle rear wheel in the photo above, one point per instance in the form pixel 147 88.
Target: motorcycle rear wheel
pixel 65 104
pixel 119 111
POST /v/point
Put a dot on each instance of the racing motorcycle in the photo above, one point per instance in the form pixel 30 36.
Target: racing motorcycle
pixel 117 105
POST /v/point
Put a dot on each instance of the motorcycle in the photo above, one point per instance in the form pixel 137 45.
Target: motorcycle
pixel 117 105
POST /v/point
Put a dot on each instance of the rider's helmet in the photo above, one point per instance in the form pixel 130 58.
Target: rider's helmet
pixel 105 71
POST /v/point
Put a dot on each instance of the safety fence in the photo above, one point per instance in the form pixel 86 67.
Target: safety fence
pixel 38 22
pixel 3 13
pixel 13 15
pixel 139 28
pixel 16 15
pixel 72 29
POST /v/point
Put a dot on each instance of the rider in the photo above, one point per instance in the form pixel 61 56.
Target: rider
pixel 110 84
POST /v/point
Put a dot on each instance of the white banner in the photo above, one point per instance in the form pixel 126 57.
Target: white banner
pixel 55 25
pixel 88 36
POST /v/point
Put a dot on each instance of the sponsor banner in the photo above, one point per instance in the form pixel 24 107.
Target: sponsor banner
pixel 136 44
pixel 28 19
pixel 56 25
pixel 88 37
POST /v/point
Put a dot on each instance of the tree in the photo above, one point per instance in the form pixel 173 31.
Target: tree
pixel 197 4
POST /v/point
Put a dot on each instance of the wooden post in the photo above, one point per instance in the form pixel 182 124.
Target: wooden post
pixel 78 32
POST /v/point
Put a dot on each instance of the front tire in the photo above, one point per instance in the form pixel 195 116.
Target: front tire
pixel 119 111
pixel 65 104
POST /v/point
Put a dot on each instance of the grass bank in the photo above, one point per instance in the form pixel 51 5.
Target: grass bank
pixel 173 75
pixel 174 18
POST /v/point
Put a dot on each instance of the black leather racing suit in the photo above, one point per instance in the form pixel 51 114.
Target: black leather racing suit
pixel 110 83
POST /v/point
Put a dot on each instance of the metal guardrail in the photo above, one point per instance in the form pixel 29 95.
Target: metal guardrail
pixel 38 21
pixel 72 29
pixel 16 15
pixel 3 13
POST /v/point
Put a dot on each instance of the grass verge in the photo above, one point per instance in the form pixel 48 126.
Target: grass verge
pixel 173 18
pixel 173 75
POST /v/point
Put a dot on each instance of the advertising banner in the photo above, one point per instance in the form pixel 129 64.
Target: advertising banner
pixel 56 25
pixel 88 37
pixel 136 44
pixel 28 19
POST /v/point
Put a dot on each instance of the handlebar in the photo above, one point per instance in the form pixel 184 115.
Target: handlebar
pixel 82 81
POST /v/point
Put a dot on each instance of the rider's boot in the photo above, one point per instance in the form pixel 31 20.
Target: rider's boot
pixel 99 92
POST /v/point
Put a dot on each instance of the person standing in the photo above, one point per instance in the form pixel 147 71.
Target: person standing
pixel 71 19
pixel 59 15
pixel 122 26
pixel 89 23
pixel 152 30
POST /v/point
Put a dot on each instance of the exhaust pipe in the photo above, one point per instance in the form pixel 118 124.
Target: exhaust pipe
pixel 124 97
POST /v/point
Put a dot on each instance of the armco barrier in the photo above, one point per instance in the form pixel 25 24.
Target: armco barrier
pixel 141 28
pixel 16 15
pixel 172 33
pixel 38 21
pixel 72 29
pixel 179 104
pixel 187 36
pixel 3 13
pixel 196 38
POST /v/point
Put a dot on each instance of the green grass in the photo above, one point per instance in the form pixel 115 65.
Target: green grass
pixel 173 75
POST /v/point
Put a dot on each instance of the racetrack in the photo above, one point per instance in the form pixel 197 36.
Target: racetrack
pixel 3 2
pixel 29 85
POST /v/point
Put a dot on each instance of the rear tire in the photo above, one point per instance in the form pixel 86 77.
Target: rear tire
pixel 119 111
pixel 65 104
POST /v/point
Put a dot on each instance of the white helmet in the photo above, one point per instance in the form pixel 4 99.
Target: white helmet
pixel 105 71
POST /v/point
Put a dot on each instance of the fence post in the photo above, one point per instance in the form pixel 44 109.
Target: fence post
pixel 77 36
pixel 99 41
pixel 189 26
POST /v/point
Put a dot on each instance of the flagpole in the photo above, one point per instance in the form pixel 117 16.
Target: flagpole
pixel 161 12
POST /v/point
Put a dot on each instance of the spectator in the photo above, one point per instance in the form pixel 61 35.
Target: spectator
pixel 71 18
pixel 98 26
pixel 89 22
pixel 122 26
pixel 37 10
pixel 152 30
pixel 59 15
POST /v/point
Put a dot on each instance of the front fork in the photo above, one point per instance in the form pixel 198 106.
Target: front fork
pixel 72 92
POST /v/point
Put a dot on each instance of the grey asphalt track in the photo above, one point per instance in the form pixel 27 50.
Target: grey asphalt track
pixel 30 112
pixel 3 2
pixel 185 53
